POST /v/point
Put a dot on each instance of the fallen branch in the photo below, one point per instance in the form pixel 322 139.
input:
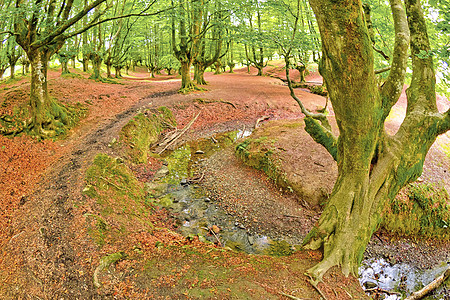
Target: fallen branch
pixel 379 290
pixel 289 296
pixel 243 131
pixel 259 120
pixel 203 101
pixel 112 183
pixel 174 137
pixel 431 286
pixel 212 231
pixel 291 216
pixel 196 179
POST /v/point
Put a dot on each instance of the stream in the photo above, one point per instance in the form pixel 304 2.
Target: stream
pixel 198 216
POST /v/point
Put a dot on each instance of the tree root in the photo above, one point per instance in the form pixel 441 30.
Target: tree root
pixel 105 262
pixel 314 283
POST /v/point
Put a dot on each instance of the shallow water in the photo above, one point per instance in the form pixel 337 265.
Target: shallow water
pixel 198 215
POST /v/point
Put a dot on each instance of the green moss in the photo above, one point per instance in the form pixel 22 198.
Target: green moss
pixel 143 131
pixel 424 211
pixel 258 153
pixel 279 248
pixel 120 199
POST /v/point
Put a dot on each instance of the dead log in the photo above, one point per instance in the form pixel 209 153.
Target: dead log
pixel 431 286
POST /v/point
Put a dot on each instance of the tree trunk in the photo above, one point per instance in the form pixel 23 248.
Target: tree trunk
pixel 217 65
pixel 48 118
pixel 186 83
pixel 108 69
pixel 372 165
pixel 65 67
pixel 85 63
pixel 12 67
pixel 199 72
pixel 96 65
pixel 260 70
pixel 117 72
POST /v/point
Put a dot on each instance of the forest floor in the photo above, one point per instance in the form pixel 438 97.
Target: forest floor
pixel 48 252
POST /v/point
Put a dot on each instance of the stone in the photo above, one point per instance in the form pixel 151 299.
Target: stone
pixel 161 172
pixel 370 285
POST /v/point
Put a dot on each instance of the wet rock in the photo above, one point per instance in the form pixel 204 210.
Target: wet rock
pixel 370 285
pixel 162 172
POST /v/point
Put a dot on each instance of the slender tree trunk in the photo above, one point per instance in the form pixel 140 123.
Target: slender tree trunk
pixel 65 67
pixel 117 72
pixel 12 67
pixel 85 62
pixel 218 71
pixel 108 69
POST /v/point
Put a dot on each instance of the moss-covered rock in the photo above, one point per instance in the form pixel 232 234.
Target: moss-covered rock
pixel 419 210
pixel 143 131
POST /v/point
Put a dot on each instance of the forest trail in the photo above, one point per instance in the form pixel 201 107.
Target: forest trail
pixel 46 251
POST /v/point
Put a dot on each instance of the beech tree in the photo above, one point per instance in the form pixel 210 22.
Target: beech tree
pixel 373 165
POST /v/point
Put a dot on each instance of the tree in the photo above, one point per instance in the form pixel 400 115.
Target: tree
pixel 186 47
pixel 211 44
pixel 373 165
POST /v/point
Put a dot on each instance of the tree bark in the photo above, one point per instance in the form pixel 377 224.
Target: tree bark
pixel 47 116
pixel 186 82
pixel 199 73
pixel 96 66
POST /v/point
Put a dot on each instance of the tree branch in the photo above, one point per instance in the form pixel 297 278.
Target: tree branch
pixel 116 18
pixel 392 88
pixel 443 124
pixel 320 132
pixel 382 70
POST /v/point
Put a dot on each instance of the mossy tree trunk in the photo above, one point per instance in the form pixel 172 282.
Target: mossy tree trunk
pixel 199 73
pixel 48 117
pixel 373 166
pixel 96 66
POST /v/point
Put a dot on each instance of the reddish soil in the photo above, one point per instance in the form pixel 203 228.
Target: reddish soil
pixel 46 250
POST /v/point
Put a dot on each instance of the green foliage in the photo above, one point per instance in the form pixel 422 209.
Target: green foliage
pixel 424 211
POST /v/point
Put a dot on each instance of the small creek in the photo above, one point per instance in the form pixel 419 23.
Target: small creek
pixel 198 215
